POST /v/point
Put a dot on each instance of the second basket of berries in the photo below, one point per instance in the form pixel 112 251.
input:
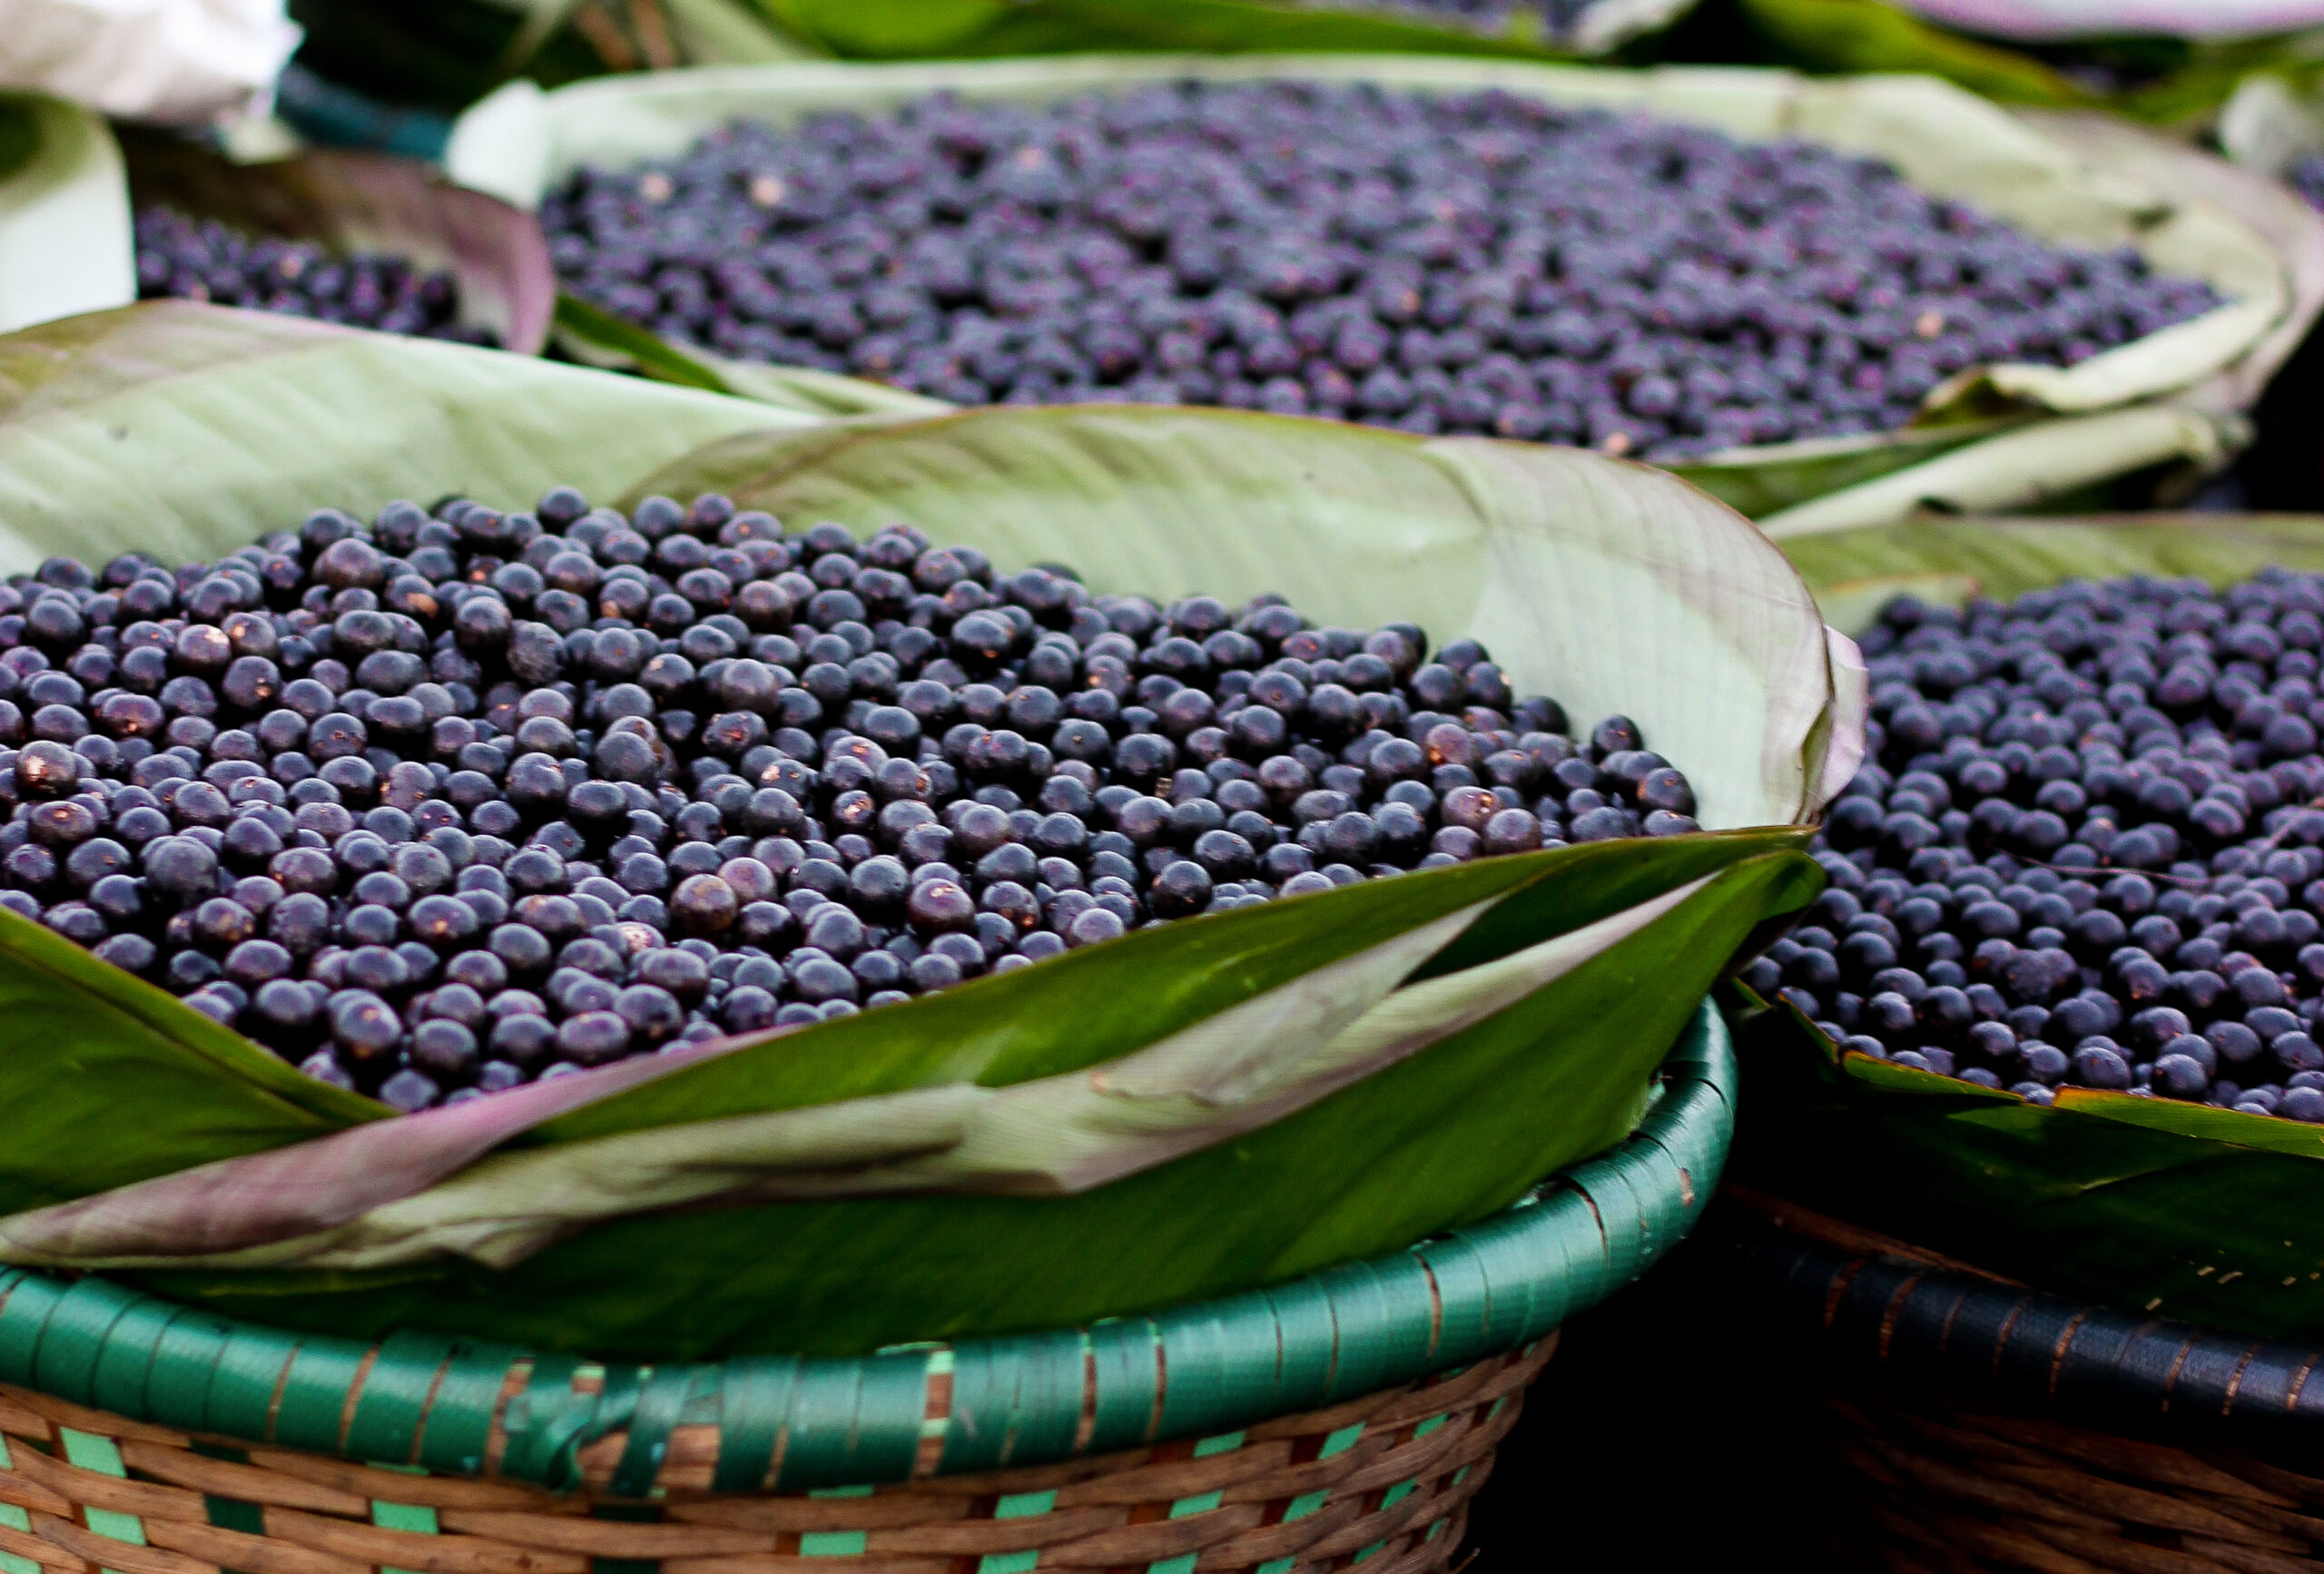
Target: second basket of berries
pixel 859 886
pixel 2055 1014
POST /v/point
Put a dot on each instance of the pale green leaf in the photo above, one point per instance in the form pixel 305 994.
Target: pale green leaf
pixel 1227 1075
pixel 1855 571
pixel 1230 1075
pixel 64 240
pixel 598 338
pixel 189 431
pixel 2267 123
pixel 2021 469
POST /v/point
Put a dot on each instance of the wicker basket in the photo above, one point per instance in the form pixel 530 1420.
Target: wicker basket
pixel 1344 1418
pixel 1985 1426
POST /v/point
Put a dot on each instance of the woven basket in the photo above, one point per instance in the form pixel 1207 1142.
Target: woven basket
pixel 1984 1426
pixel 1344 1418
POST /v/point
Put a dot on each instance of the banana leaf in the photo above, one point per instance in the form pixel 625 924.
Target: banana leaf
pixel 595 337
pixel 519 141
pixel 360 202
pixel 2164 82
pixel 64 245
pixel 1855 572
pixel 188 431
pixel 1271 1089
pixel 2146 1204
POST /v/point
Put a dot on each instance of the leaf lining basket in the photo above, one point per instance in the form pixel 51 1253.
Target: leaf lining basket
pixel 1345 1417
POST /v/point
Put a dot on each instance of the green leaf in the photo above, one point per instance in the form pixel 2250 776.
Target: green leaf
pixel 1772 476
pixel 64 240
pixel 2271 120
pixel 1228 1011
pixel 19 135
pixel 2046 465
pixel 2180 1210
pixel 356 201
pixel 1983 443
pixel 600 339
pixel 1452 1134
pixel 189 431
pixel 2177 84
pixel 1866 36
pixel 116 1081
pixel 1855 571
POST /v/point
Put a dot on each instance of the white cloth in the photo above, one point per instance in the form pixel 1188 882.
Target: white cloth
pixel 177 61
pixel 2033 21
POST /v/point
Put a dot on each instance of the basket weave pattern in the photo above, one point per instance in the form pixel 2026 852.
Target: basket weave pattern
pixel 1966 1491
pixel 1981 1426
pixel 1383 1481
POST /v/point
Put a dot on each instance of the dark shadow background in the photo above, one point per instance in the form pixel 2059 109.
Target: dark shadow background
pixel 1664 1434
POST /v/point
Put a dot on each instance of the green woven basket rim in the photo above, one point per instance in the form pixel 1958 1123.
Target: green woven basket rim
pixel 794 1424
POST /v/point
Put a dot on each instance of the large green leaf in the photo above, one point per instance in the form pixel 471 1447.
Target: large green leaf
pixel 598 338
pixel 189 431
pixel 2185 1211
pixel 94 1051
pixel 2169 82
pixel 2144 1204
pixel 64 242
pixel 2045 466
pixel 1204 1030
pixel 1442 1136
pixel 1868 35
pixel 353 202
pixel 1855 571
pixel 1986 445
pixel 1613 585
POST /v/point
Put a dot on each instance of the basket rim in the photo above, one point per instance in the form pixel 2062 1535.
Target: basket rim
pixel 791 1424
pixel 1911 1319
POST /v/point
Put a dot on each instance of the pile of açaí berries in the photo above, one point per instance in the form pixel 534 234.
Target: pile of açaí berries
pixel 2085 851
pixel 454 801
pixel 188 258
pixel 1476 263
